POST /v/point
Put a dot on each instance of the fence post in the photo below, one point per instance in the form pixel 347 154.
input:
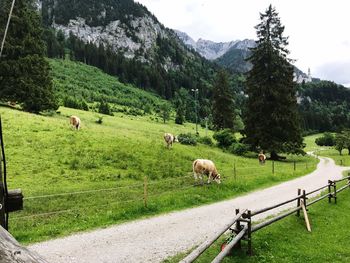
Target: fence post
pixel 249 217
pixel 145 191
pixel 238 229
pixel 304 200
pixel 298 202
pixel 294 163
pixel 341 162
pixel 335 192
pixel 234 171
pixel 273 167
pixel 329 191
pixel 349 180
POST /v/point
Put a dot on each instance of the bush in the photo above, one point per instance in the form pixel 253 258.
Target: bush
pixel 225 138
pixel 100 120
pixel 205 140
pixel 238 148
pixel 328 139
pixel 187 138
pixel 104 108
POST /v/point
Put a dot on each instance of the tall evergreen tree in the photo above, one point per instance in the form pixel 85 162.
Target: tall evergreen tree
pixel 24 73
pixel 271 117
pixel 223 103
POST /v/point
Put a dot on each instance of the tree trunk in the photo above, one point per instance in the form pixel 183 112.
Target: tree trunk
pixel 274 156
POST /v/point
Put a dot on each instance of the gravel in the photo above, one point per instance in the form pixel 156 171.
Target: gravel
pixel 157 238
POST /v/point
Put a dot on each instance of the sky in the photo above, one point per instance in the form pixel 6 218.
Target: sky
pixel 318 30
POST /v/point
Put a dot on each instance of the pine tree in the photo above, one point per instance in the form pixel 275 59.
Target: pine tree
pixel 271 117
pixel 223 104
pixel 24 73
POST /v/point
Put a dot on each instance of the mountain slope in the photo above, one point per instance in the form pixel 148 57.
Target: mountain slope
pixel 124 39
pixel 80 82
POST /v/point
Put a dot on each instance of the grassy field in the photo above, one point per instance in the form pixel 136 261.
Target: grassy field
pixel 74 181
pixel 288 240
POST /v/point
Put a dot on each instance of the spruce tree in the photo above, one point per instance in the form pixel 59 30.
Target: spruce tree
pixel 223 103
pixel 271 117
pixel 24 72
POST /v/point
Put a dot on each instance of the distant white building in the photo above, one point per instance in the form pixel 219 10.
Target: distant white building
pixel 301 78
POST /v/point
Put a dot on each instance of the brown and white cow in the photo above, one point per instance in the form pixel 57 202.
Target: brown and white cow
pixel 262 158
pixel 169 139
pixel 207 167
pixel 75 122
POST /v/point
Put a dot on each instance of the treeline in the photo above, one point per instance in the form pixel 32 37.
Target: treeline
pixel 324 106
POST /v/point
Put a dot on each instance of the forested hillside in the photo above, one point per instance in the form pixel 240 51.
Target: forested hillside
pixel 324 106
pixel 78 85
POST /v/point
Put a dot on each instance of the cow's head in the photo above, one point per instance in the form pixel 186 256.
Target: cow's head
pixel 217 178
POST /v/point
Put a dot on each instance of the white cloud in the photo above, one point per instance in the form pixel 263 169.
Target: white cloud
pixel 317 29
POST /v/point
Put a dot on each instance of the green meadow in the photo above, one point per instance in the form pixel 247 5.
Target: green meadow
pixel 79 180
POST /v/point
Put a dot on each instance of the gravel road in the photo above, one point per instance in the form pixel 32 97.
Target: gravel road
pixel 157 238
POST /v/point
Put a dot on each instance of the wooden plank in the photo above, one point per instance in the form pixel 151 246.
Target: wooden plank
pixel 307 222
pixel 12 252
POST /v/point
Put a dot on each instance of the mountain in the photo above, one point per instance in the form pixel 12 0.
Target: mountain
pixel 212 50
pixel 125 40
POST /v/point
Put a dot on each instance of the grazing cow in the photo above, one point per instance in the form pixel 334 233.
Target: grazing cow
pixel 202 166
pixel 262 158
pixel 170 139
pixel 75 122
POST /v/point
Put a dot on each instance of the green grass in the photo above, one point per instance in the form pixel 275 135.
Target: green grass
pixel 45 156
pixel 289 241
pixel 81 81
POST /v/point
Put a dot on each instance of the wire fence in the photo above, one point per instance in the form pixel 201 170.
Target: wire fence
pixel 140 193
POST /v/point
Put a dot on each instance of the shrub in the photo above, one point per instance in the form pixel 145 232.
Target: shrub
pixel 225 138
pixel 238 148
pixel 187 138
pixel 328 139
pixel 205 140
pixel 100 120
pixel 104 108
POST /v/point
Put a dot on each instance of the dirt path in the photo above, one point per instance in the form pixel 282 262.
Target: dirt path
pixel 157 238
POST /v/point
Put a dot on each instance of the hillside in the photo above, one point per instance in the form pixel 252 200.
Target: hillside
pixel 124 39
pixel 96 175
pixel 78 81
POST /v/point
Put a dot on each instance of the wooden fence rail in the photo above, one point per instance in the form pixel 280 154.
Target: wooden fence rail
pixel 199 250
pixel 246 216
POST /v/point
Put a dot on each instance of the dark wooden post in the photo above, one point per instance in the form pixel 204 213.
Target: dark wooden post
pixel 234 171
pixel 238 229
pixel 3 222
pixel 329 191
pixel 335 192
pixel 349 181
pixel 295 165
pixel 249 233
pixel 273 167
pixel 341 162
pixel 145 194
pixel 298 202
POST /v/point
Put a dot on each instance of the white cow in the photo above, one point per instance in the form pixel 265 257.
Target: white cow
pixel 170 139
pixel 75 122
pixel 207 167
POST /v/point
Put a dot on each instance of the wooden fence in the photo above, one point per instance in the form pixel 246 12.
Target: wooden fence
pixel 244 229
